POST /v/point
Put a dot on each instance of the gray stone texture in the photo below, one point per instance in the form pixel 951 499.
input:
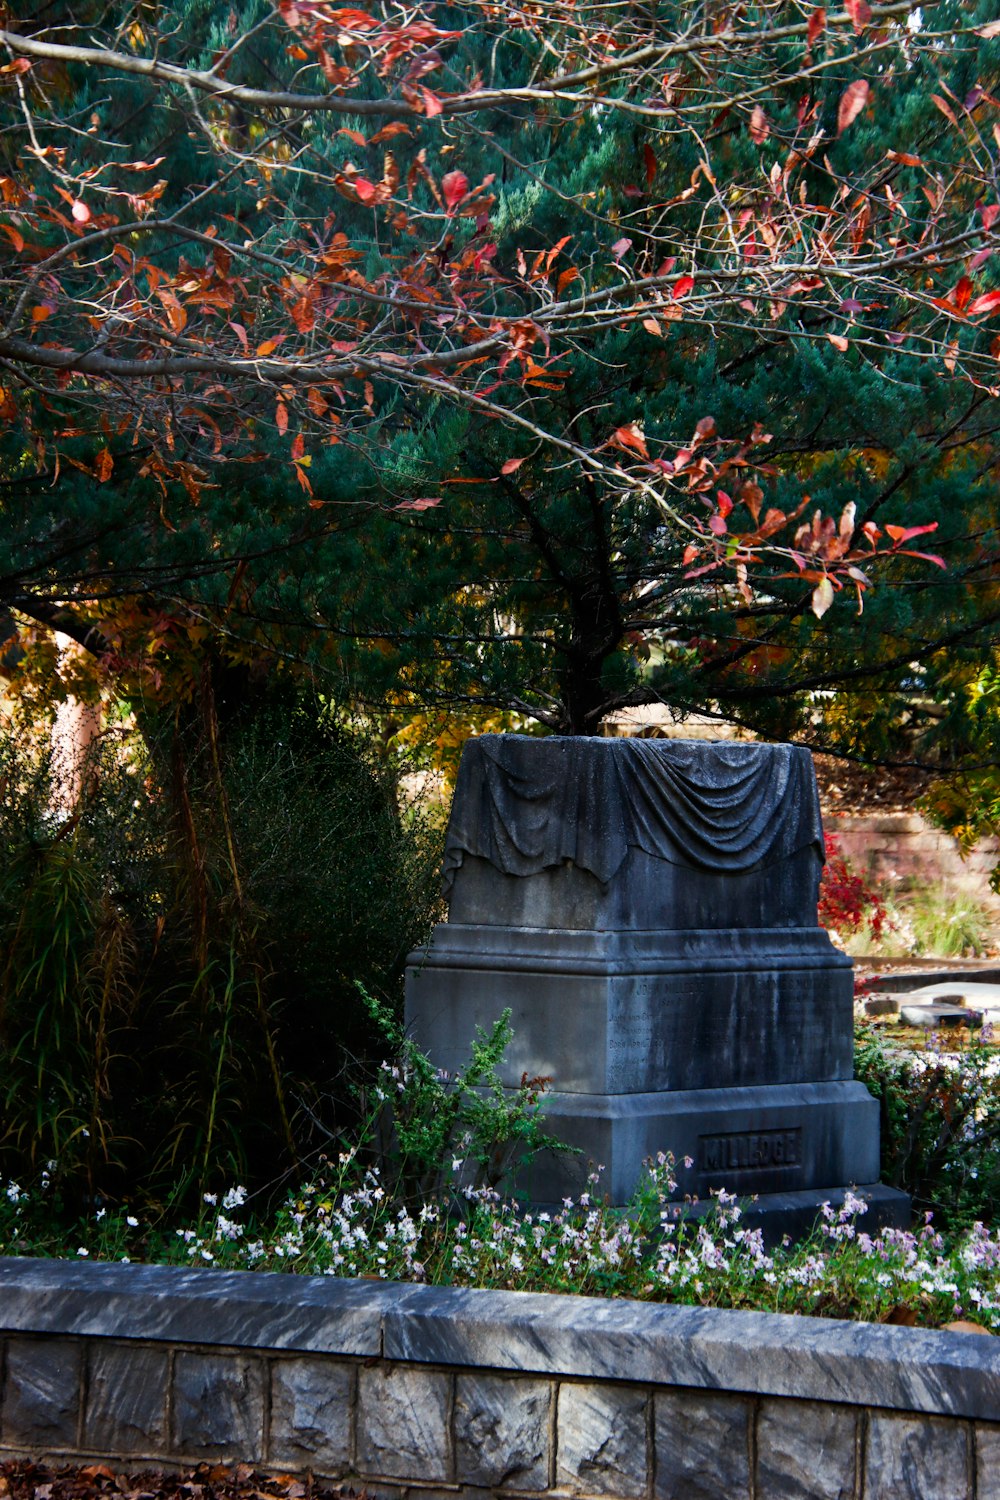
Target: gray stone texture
pixel 663 1009
pixel 806 1451
pixel 527 806
pixel 403 1423
pixel 658 899
pixel 820 1359
pixel 987 1441
pixel 41 1397
pixel 702 1447
pixel 311 1402
pixel 126 1406
pixel 760 1140
pixel 218 1406
pixel 601 1442
pixel 916 1458
pixel 177 1304
pixel 709 1348
pixel 502 1430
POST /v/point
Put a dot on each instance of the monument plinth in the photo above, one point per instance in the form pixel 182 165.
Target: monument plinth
pixel 646 909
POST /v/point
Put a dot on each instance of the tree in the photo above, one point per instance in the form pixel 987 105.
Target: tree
pixel 556 200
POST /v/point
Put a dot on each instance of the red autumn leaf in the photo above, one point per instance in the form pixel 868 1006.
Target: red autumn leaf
pixel 103 465
pixel 817 24
pixel 653 327
pixel 690 553
pixel 988 212
pixel 298 447
pixel 682 286
pixel 759 127
pixel 717 526
pixel 432 104
pixel 16 238
pixel 859 12
pixel 619 248
pixel 454 186
pixel 281 417
pixel 365 190
pixel 725 502
pixel 984 304
pixel 394 127
pixel 304 315
pixel 901 534
pixel 945 108
pixel 426 502
pixel 511 466
pixel 19 65
pixel 839 342
pixel 962 293
pixel 852 102
pixel 630 437
pixel 649 158
pixel 904 158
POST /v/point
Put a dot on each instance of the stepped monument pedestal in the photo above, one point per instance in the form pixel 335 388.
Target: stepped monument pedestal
pixel 646 909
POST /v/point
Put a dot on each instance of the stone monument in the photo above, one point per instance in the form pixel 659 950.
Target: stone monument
pixel 647 911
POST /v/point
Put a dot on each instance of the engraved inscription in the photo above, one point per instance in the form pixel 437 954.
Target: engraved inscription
pixel 750 1150
pixel 631 1037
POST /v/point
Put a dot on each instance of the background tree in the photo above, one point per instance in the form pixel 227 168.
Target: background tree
pixel 552 198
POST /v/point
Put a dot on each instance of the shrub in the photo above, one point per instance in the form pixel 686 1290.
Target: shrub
pixel 177 997
pixel 940 1122
pixel 848 904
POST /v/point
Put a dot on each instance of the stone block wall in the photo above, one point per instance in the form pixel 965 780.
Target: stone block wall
pixel 904 850
pixel 425 1392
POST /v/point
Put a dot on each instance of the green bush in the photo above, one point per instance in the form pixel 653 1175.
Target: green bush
pixel 178 993
pixel 940 1123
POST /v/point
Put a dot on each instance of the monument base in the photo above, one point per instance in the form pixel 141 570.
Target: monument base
pixel 788 1138
pixel 616 1012
pixel 796 1214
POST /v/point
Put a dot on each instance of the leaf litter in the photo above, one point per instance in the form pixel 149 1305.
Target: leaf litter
pixel 22 1479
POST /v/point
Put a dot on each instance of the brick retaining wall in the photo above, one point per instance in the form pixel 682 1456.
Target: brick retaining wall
pixel 905 850
pixel 440 1391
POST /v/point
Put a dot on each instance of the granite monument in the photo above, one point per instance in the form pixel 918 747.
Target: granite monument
pixel 647 910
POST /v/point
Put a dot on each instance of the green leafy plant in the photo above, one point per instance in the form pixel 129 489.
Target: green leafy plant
pixel 467 1130
pixel 940 1122
pixel 179 949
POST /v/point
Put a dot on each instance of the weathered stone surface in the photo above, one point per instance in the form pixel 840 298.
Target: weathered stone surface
pixel 702 1447
pixel 181 1305
pixel 882 1005
pixel 126 1407
pixel 818 1359
pixel 41 1397
pixel 403 1423
pixel 987 1440
pixel 761 1140
pixel 931 1016
pixel 663 895
pixel 601 1444
pixel 664 1009
pixel 218 1406
pixel 502 1431
pixel 311 1415
pixel 806 1451
pixel 916 1458
pixel 526 806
